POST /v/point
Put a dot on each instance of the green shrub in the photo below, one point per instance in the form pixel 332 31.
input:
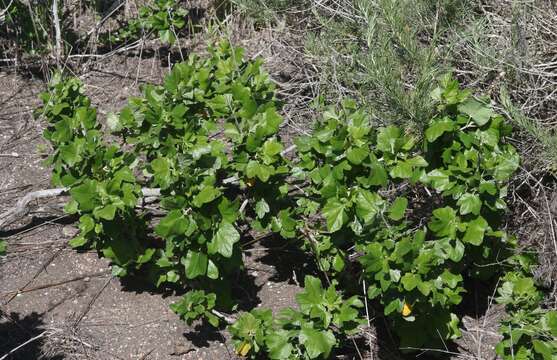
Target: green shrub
pixel 412 217
pixel 163 17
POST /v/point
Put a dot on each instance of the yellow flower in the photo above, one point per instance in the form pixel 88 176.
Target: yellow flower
pixel 406 309
pixel 243 349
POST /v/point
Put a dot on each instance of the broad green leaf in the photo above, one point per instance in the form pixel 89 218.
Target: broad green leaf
pixel 451 279
pixel 324 134
pixel 439 179
pixel 488 187
pixel 106 212
pixel 394 275
pixel 172 276
pixel 212 319
pixel 121 177
pixel 200 150
pixel 425 287
pixel 508 163
pixel 312 294
pixel 212 270
pixel 272 121
pixel 349 313
pixel 255 169
pixel 232 132
pixel 338 263
pixel 454 329
pixel 550 319
pixel 479 112
pixel 86 224
pixel 207 194
pixel 129 197
pixel 410 281
pixel 335 213
pixel 71 207
pixel 373 292
pixel 378 175
pixel 405 169
pixel 244 96
pixel 118 271
pixel 444 222
pixel 438 128
pixel 70 153
pixel 469 204
pixel 475 231
pixel 403 247
pixel 546 349
pixel 394 305
pixel 284 224
pixel 489 137
pixel 161 171
pixel 398 208
pixel 272 147
pixel 167 36
pixel 178 113
pixel 85 195
pixel 368 205
pixel 261 208
pixel 374 259
pixel 524 286
pixel 402 170
pixel 317 342
pixel 388 139
pixel 279 345
pixel 356 155
pixel 246 326
pixel 174 223
pixel 196 264
pixel 228 209
pixel 146 256
pixel 154 96
pixel 224 239
pixel 417 161
pixel 78 241
pixel 57 109
pixel 457 251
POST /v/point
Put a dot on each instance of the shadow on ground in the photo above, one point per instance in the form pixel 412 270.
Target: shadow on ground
pixel 15 331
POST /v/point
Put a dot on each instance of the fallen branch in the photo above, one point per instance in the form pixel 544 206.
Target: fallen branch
pixel 14 155
pixel 149 195
pixel 228 319
pixel 21 207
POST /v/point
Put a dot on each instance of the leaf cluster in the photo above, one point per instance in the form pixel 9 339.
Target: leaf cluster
pixel 413 256
pixel 196 304
pixel 204 173
pixel 410 217
pixel 323 319
pixel 100 178
pixel 529 331
pixel 164 17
